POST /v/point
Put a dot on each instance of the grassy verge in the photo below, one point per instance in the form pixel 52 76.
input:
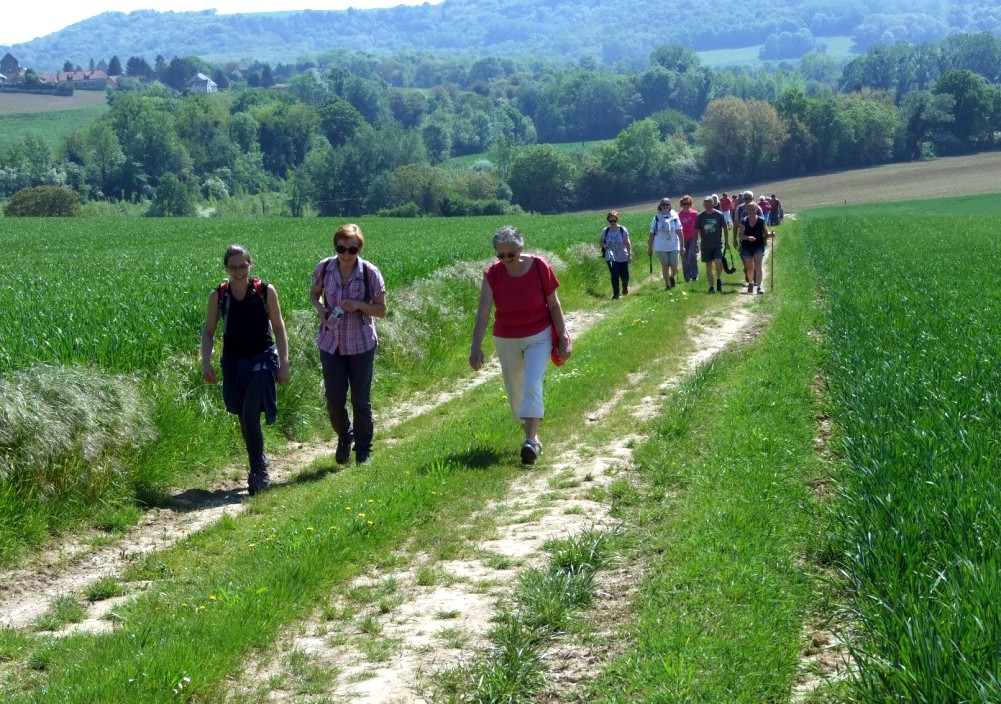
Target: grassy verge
pixel 728 517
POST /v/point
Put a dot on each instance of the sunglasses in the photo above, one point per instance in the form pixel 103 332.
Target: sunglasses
pixel 613 219
pixel 507 255
pixel 341 249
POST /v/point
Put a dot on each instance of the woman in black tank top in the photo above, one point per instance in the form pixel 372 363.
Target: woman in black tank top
pixel 254 354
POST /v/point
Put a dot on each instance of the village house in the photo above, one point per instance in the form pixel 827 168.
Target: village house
pixel 200 83
pixel 10 69
pixel 81 80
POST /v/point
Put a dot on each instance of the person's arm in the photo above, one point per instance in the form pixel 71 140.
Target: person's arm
pixel 726 233
pixel 564 347
pixel 208 337
pixel 315 293
pixel 375 308
pixel 480 328
pixel 628 244
pixel 281 336
pixel 680 230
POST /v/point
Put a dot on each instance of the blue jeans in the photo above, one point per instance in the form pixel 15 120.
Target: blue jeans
pixel 690 262
pixel 354 371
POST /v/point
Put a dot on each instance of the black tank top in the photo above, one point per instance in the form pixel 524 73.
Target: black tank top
pixel 247 332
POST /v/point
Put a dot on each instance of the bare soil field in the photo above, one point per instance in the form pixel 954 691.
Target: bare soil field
pixel 20 103
pixel 939 178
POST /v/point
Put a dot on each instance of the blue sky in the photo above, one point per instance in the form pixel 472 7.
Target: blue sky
pixel 23 21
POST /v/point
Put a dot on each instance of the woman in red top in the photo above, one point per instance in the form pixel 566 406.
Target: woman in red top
pixel 523 290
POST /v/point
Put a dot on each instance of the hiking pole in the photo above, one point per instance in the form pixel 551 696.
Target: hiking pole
pixel 650 259
pixel 771 265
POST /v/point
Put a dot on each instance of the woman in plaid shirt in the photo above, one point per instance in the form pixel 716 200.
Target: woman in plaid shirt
pixel 348 293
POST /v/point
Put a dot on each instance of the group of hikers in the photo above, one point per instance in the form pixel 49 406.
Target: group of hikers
pixel 688 236
pixel 529 329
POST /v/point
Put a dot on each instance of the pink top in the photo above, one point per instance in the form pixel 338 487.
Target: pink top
pixel 354 333
pixel 688 223
pixel 520 302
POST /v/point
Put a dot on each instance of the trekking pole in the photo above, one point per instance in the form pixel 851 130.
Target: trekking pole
pixel 650 259
pixel 771 265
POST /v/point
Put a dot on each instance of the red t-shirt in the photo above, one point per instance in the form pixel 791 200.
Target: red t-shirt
pixel 725 204
pixel 520 302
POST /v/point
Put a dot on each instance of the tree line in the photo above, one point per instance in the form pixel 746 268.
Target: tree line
pixel 351 133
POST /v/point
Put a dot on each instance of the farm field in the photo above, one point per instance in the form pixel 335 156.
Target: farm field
pixel 708 460
pixel 50 117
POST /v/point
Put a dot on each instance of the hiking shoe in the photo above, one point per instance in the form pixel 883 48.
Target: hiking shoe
pixel 760 290
pixel 712 289
pixel 529 453
pixel 719 285
pixel 625 290
pixel 363 458
pixel 343 453
pixel 750 288
pixel 256 483
pixel 670 282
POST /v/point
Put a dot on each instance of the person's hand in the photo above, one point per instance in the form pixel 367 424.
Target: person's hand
pixel 350 306
pixel 284 373
pixel 476 358
pixel 208 373
pixel 564 348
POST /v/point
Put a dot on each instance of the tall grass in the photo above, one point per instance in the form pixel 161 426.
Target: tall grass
pixel 913 343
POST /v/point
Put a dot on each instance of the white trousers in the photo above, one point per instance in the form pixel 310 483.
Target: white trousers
pixel 523 363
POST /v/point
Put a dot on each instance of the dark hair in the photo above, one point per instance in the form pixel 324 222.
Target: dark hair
pixel 234 249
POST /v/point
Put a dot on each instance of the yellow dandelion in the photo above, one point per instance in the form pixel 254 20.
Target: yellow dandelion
pixel 371 501
pixel 335 527
pixel 309 529
pixel 212 597
pixel 201 607
pixel 184 604
pixel 251 545
pixel 369 522
pixel 361 515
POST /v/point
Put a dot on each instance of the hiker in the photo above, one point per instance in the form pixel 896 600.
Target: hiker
pixel 776 211
pixel 528 322
pixel 726 207
pixel 754 234
pixel 666 240
pixel 254 354
pixel 348 293
pixel 711 229
pixel 747 203
pixel 618 252
pixel 690 248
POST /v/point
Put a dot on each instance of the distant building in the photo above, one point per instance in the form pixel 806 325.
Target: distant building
pixel 10 69
pixel 82 80
pixel 200 83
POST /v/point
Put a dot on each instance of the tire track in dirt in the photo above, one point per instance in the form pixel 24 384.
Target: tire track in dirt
pixel 443 625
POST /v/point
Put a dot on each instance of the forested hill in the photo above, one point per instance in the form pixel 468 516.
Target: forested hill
pixel 601 32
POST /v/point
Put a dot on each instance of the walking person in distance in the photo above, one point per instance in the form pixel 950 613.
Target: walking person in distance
pixel 618 252
pixel 712 231
pixel 348 293
pixel 666 239
pixel 521 290
pixel 254 354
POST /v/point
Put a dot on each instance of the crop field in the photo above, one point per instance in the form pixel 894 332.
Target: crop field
pixel 745 512
pixel 50 117
pixel 914 387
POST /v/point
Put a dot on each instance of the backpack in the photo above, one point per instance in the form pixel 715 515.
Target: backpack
pixel 260 288
pixel 606 251
pixel 323 276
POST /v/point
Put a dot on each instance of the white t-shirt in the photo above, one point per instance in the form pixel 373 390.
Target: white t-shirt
pixel 666 230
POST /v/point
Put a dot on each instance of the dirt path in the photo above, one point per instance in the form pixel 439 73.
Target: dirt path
pixel 388 648
pixel 73 565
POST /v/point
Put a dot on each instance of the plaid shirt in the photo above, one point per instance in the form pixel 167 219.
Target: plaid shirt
pixel 354 333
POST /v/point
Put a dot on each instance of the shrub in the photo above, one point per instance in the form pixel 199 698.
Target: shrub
pixel 43 201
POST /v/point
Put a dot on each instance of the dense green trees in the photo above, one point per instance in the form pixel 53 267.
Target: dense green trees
pixel 348 134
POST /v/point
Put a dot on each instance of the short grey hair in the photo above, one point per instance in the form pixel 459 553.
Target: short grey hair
pixel 509 235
